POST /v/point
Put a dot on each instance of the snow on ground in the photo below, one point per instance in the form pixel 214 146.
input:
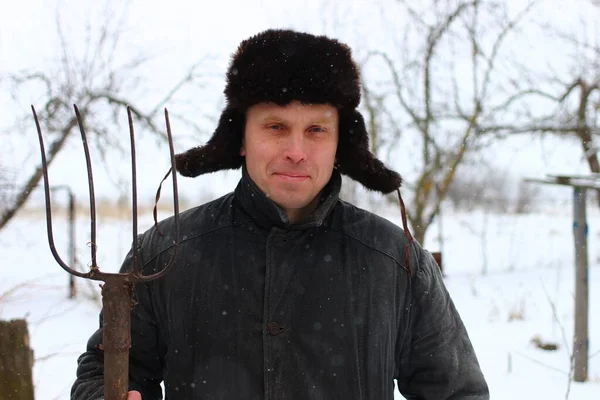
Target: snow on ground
pixel 528 259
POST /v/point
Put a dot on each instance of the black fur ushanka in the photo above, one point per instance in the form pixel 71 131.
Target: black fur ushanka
pixel 281 66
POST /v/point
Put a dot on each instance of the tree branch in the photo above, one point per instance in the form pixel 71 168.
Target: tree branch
pixel 498 42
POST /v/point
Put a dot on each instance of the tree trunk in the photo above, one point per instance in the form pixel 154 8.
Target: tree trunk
pixel 418 229
pixel 584 133
pixel 16 361
pixel 36 176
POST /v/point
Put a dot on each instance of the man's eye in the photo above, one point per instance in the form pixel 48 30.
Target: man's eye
pixel 317 129
pixel 275 127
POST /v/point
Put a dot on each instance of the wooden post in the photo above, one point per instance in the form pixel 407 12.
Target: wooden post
pixel 16 361
pixel 437 256
pixel 72 253
pixel 580 232
pixel 580 339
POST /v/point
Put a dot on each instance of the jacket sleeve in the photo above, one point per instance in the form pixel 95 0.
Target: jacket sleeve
pixel 145 362
pixel 437 360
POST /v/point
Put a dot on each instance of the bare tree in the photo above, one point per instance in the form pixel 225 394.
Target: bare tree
pixel 571 97
pixel 448 81
pixel 99 84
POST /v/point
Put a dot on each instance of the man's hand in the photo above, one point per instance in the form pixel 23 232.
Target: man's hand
pixel 134 395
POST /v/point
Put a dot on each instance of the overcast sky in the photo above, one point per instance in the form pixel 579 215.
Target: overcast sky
pixel 179 33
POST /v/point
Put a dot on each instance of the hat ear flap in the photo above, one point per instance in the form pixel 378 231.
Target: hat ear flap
pixel 222 151
pixel 355 160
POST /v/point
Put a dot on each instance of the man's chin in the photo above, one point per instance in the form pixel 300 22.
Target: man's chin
pixel 290 188
pixel 288 203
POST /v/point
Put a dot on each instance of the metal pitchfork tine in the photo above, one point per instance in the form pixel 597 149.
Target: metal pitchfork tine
pixel 117 290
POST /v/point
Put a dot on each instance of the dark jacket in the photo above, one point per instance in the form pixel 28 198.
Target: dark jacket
pixel 256 308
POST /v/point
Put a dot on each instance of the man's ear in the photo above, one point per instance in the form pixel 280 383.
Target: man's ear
pixel 355 159
pixel 243 149
pixel 222 151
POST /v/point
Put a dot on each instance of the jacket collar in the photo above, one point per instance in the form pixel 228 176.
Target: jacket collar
pixel 267 214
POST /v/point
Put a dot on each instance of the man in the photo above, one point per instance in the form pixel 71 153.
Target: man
pixel 281 290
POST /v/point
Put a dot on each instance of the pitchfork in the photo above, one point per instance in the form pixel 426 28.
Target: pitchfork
pixel 117 290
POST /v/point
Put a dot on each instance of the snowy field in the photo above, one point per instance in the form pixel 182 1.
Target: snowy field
pixel 529 263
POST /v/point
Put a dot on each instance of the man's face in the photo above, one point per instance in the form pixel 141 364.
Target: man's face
pixel 290 152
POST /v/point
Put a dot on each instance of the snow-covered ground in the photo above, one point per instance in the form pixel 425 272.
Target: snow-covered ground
pixel 530 269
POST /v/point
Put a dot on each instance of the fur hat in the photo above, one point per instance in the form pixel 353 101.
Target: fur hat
pixel 281 66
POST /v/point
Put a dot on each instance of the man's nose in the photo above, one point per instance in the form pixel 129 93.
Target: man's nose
pixel 295 150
